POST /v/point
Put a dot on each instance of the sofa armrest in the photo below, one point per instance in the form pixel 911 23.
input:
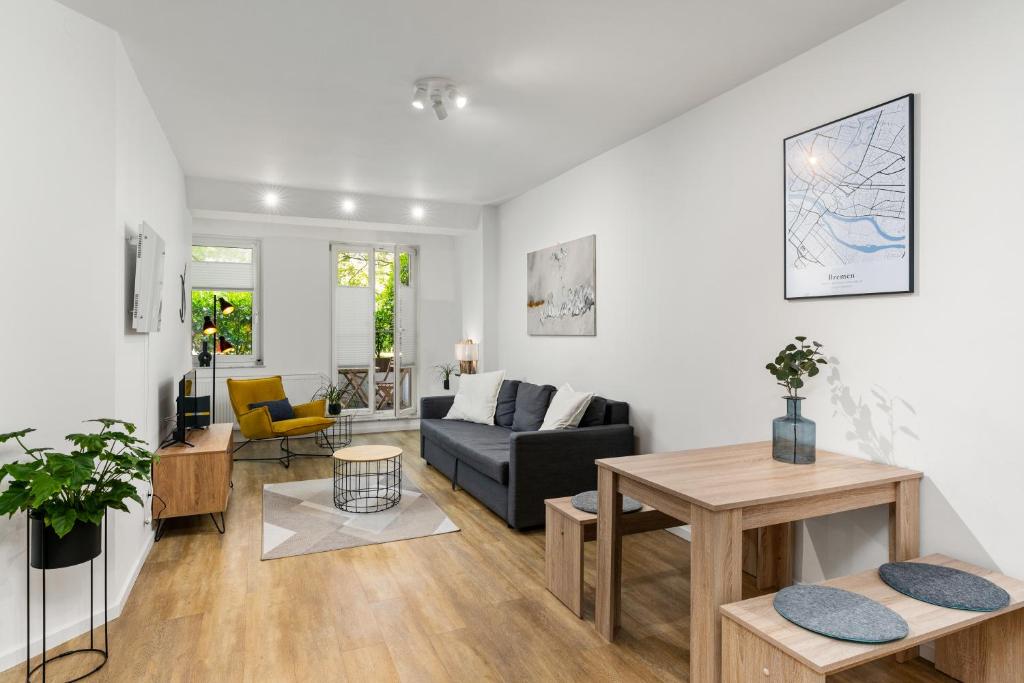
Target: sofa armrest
pixel 434 407
pixel 557 463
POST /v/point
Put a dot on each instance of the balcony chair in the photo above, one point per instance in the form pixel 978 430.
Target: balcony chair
pixel 256 425
pixel 385 383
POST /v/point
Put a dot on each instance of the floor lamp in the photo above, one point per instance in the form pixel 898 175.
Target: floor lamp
pixel 219 344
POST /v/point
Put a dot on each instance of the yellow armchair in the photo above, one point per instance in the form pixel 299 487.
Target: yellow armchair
pixel 255 423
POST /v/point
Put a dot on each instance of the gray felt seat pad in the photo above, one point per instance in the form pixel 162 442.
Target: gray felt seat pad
pixel 840 614
pixel 587 502
pixel 944 586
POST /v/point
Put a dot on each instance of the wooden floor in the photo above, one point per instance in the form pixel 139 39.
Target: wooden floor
pixel 467 606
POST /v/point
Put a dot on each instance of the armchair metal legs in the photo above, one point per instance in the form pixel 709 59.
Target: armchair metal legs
pixel 286 459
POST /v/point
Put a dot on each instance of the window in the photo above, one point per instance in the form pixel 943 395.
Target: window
pixel 226 269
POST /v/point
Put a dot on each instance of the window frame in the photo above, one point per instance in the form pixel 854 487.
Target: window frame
pixel 255 359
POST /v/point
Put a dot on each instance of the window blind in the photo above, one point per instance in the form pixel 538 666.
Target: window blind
pixel 216 275
pixel 353 326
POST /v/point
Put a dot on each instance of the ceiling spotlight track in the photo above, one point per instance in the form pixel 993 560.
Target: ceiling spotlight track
pixel 439 92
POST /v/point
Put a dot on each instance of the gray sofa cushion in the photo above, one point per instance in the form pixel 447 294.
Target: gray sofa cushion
pixel 531 404
pixel 616 413
pixel 506 408
pixel 594 414
pixel 485 448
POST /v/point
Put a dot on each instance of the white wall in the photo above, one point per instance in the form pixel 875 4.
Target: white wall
pixel 478 259
pixel 150 187
pixel 690 302
pixel 82 155
pixel 295 272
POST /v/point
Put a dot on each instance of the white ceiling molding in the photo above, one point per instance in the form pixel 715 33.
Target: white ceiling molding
pixel 237 201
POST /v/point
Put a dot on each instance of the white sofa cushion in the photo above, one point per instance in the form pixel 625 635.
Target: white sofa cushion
pixel 477 398
pixel 566 408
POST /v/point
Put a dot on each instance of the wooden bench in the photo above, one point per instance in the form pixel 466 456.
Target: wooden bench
pixel 978 647
pixel 567 529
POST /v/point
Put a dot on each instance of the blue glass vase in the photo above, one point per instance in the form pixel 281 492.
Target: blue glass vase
pixel 793 435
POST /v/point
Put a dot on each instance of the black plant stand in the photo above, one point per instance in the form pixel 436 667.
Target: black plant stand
pixel 105 652
pixel 337 435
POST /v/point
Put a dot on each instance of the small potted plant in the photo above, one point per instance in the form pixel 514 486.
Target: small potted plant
pixel 445 372
pixel 66 495
pixel 793 435
pixel 332 394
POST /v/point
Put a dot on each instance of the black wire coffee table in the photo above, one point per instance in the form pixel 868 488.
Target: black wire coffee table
pixel 367 478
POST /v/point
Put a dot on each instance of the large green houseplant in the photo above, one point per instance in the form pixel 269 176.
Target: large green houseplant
pixel 66 495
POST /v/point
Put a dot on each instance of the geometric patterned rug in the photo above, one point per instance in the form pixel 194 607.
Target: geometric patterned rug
pixel 299 518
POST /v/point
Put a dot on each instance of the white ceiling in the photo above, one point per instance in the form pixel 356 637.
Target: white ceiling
pixel 316 93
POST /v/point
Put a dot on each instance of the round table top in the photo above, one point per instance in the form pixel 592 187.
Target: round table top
pixel 367 453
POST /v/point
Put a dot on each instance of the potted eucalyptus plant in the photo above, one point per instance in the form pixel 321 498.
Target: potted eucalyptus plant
pixel 332 394
pixel 793 435
pixel 444 373
pixel 66 495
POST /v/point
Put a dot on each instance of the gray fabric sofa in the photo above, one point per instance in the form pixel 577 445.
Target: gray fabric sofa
pixel 510 466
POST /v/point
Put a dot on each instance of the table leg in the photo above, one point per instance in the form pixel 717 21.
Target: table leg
pixel 609 553
pixel 905 533
pixel 716 568
pixel 905 522
pixel 775 556
pixel 362 388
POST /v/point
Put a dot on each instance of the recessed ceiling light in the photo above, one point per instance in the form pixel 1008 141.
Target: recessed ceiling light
pixel 417 211
pixel 348 205
pixel 271 200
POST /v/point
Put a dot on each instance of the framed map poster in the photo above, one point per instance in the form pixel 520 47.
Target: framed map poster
pixel 848 199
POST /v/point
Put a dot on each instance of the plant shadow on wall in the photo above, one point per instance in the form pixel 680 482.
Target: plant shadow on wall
pixel 878 424
pixel 879 443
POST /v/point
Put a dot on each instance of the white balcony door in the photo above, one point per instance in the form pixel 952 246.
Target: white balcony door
pixel 374 328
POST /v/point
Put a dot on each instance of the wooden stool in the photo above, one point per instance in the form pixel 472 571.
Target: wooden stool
pixel 567 529
pixel 766 553
pixel 758 644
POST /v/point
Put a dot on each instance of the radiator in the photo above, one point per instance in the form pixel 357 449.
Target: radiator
pixel 299 388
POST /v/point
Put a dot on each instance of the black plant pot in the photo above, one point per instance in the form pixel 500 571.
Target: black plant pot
pixel 334 409
pixel 447 385
pixel 83 543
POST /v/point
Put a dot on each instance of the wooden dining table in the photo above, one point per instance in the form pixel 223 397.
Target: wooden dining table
pixel 721 492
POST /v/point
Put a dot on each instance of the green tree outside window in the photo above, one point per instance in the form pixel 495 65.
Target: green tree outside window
pixel 353 271
pixel 235 328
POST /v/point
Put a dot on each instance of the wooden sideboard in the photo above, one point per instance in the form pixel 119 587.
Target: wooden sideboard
pixel 196 479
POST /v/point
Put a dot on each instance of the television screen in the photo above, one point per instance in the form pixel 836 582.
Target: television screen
pixel 193 410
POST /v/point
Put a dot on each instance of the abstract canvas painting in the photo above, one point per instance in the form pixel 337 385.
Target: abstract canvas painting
pixel 561 289
pixel 849 204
